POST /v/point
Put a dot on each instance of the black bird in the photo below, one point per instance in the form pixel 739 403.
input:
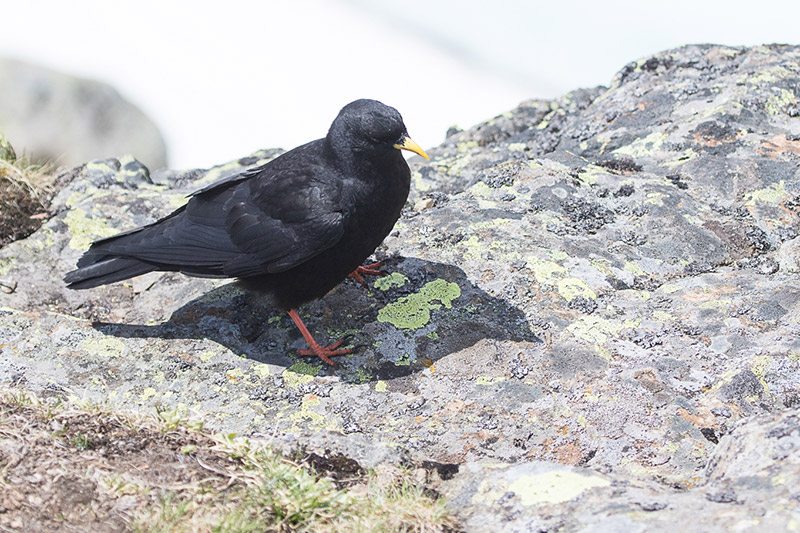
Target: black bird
pixel 292 228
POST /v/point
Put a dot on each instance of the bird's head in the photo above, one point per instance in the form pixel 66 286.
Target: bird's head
pixel 371 127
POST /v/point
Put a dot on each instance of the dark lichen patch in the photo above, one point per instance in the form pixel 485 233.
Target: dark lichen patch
pixel 713 133
pixel 624 191
pixel 586 216
pixel 678 181
pixel 620 166
pixel 343 470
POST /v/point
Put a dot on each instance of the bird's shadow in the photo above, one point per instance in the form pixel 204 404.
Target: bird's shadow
pixel 400 324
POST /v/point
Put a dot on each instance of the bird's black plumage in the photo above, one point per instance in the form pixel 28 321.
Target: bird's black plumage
pixel 294 227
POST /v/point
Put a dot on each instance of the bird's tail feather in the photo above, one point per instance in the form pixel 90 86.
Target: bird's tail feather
pixel 107 270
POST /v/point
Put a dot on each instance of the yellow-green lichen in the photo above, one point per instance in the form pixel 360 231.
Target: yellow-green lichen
pixel 669 288
pixel 380 386
pixel 90 192
pixel 464 146
pixel 419 182
pixel 655 198
pixel 403 360
pixel 235 374
pixel 663 316
pixel 261 370
pixel 300 373
pixel 571 288
pixel 774 194
pixel 363 376
pixel 643 146
pixel 395 279
pixel 548 488
pixel 307 418
pixel 84 229
pixel 147 393
pixel 554 487
pixel 102 346
pixel 720 304
pixel 486 380
pixel 216 173
pixel 634 268
pixel 42 240
pixel 591 173
pixel 5 265
pixel 414 311
pixel 598 330
pixel 544 271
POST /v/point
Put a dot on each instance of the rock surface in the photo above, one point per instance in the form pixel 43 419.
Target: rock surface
pixel 592 321
pixel 53 116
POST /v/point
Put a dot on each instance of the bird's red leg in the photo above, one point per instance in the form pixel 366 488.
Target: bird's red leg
pixel 323 352
pixel 367 270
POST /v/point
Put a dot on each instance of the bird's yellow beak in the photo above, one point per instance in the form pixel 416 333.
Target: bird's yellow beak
pixel 407 144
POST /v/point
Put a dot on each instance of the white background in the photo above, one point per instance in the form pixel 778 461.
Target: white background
pixel 222 79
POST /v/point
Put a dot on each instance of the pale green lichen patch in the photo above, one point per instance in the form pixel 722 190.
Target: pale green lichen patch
pixel 5 265
pixel 669 288
pixel 486 380
pixel 147 393
pixel 90 192
pixel 403 360
pixel 235 374
pixel 100 165
pixel 554 487
pixel 414 311
pixel 544 270
pixel 774 194
pixel 103 346
pixel 465 146
pixel 598 330
pixel 571 288
pixel 420 183
pixel 655 198
pixel 300 373
pixel 643 146
pixel 261 370
pixel 308 418
pixel 591 173
pixel 395 279
pixel 779 101
pixel 43 239
pixel 216 173
pixel 85 230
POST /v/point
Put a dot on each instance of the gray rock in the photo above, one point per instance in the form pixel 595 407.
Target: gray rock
pixel 70 120
pixel 665 206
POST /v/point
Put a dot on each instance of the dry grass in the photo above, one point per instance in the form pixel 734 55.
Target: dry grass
pixel 66 466
pixel 25 190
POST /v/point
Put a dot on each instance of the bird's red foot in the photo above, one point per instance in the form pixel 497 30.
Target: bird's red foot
pixel 367 270
pixel 323 352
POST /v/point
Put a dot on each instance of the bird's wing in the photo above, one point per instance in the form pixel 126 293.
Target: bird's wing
pixel 269 222
pixel 284 222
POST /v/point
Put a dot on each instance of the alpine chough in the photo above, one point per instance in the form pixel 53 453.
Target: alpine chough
pixel 292 228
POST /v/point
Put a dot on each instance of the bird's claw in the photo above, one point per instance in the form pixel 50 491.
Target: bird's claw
pixel 326 352
pixel 372 269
